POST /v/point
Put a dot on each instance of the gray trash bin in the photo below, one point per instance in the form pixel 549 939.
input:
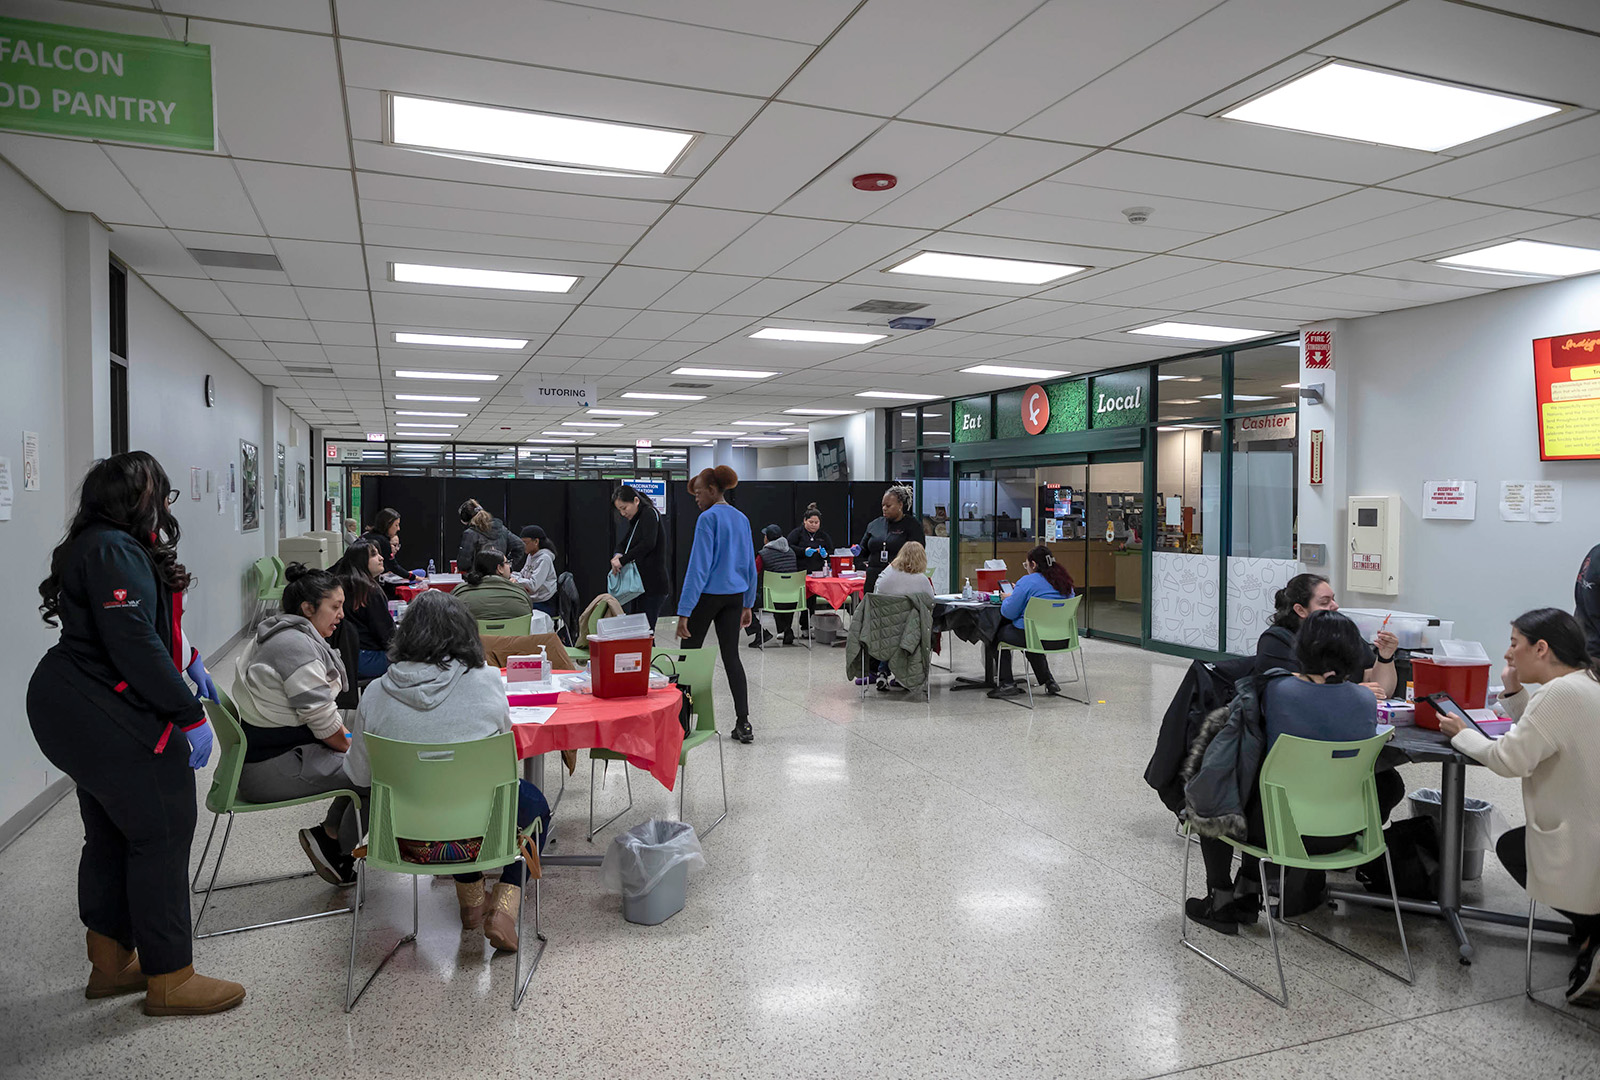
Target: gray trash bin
pixel 1475 831
pixel 649 864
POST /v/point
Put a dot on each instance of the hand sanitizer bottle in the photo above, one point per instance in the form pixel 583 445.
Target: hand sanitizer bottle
pixel 431 570
pixel 966 589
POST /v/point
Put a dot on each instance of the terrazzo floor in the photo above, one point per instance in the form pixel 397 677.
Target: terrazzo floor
pixel 954 888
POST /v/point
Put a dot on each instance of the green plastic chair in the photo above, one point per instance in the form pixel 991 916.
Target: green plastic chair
pixel 695 669
pixel 443 791
pixel 1314 788
pixel 782 594
pixel 1052 627
pixel 280 577
pixel 269 586
pixel 580 653
pixel 223 798
pixel 518 627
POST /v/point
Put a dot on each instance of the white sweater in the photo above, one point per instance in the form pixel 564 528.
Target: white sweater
pixel 894 582
pixel 1555 748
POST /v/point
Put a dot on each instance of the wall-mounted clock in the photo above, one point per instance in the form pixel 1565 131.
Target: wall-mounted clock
pixel 211 392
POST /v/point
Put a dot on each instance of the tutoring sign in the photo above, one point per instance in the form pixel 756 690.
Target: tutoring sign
pixel 64 80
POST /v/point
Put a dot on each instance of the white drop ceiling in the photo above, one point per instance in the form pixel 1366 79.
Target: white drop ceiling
pixel 1017 128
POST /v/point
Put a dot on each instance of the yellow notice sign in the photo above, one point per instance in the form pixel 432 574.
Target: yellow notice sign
pixel 1571 428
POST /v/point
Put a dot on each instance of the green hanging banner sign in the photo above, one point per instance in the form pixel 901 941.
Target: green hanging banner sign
pixel 64 80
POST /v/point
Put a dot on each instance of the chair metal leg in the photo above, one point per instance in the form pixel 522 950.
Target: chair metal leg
pixel 1183 916
pixel 561 774
pixel 519 987
pixel 212 887
pixel 1399 924
pixel 352 995
pixel 1527 986
pixel 593 831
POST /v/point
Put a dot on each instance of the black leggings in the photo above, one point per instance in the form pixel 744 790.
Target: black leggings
pixel 1218 854
pixel 1012 635
pixel 724 610
pixel 1512 848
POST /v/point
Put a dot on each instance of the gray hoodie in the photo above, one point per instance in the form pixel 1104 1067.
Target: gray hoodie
pixel 419 702
pixel 778 558
pixel 289 676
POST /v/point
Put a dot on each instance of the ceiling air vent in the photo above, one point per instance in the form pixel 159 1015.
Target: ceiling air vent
pixel 888 307
pixel 691 385
pixel 236 260
pixel 307 370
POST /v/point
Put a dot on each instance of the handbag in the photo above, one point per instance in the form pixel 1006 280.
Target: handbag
pixel 686 699
pixel 625 585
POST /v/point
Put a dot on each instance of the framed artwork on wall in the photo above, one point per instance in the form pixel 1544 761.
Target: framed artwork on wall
pixel 283 494
pixel 250 486
pixel 300 489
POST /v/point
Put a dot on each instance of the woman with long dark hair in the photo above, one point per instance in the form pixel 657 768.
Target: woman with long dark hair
pixel 366 605
pixel 1045 579
pixel 643 543
pixel 489 592
pixel 484 530
pixel 109 707
pixel 1303 595
pixel 1554 748
pixel 384 535
pixel 538 574
pixel 720 584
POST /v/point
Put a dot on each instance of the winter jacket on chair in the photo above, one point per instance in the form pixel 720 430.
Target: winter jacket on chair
pixel 1205 687
pixel 894 629
pixel 1223 765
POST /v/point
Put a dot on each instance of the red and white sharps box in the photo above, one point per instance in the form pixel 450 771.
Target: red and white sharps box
pixel 620 652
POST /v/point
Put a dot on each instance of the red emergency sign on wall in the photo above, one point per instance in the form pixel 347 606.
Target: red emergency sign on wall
pixel 1318 345
pixel 1316 457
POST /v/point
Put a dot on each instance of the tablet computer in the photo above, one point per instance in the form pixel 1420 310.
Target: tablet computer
pixel 1446 704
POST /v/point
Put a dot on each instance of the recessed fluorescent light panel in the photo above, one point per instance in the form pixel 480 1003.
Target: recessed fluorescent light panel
pixel 1350 102
pixel 642 396
pixel 984 268
pixel 758 423
pixel 896 395
pixel 458 341
pixel 562 442
pixel 434 397
pixel 621 412
pixel 466 277
pixel 1528 257
pixel 408 412
pixel 724 373
pixel 721 434
pixel 820 412
pixel 573 434
pixel 589 423
pixel 519 135
pixel 1014 372
pixel 828 337
pixel 1236 397
pixel 1199 332
pixel 447 376
pixel 765 438
pixel 795 430
pixel 686 442
pixel 401 425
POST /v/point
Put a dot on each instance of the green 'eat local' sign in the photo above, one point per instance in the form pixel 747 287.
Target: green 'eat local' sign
pixel 63 80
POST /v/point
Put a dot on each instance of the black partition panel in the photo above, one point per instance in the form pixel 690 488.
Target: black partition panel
pixel 682 513
pixel 542 503
pixel 591 533
pixel 417 499
pixel 491 495
pixel 765 502
pixel 866 504
pixel 833 500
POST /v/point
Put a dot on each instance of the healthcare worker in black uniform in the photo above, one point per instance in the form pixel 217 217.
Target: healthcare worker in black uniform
pixel 109 707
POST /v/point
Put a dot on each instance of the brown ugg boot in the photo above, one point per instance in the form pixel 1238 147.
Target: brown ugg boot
pixel 500 926
pixel 113 969
pixel 474 903
pixel 183 993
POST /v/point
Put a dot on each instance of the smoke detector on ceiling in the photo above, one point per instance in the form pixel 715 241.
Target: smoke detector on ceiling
pixel 1138 215
pixel 873 181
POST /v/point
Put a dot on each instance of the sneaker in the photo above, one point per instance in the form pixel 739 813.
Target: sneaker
pixel 883 682
pixel 331 864
pixel 1202 911
pixel 895 684
pixel 864 680
pixel 742 732
pixel 763 638
pixel 1584 989
pixel 1052 688
pixel 1005 690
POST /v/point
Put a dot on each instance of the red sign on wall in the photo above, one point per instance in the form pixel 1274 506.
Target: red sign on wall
pixel 1566 375
pixel 1035 409
pixel 1316 457
pixel 1318 345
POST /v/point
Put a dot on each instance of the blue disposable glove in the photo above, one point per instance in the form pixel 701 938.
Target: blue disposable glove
pixel 855 549
pixel 812 551
pixel 200 739
pixel 202 679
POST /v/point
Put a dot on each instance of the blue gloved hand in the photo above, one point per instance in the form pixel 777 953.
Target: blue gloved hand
pixel 812 551
pixel 855 549
pixel 200 739
pixel 202 679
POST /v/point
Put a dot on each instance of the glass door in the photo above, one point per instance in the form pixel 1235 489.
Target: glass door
pixel 972 525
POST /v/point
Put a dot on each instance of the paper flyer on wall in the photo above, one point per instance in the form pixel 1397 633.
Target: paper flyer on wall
pixel 1545 500
pixel 30 461
pixel 1513 500
pixel 5 489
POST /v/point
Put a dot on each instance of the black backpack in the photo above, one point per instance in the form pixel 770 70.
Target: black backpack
pixel 1414 851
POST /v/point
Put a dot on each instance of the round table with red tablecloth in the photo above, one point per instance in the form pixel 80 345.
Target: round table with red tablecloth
pixel 442 582
pixel 834 591
pixel 644 728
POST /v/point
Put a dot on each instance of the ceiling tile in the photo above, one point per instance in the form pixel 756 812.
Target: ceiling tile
pixel 189 191
pixel 848 252
pixel 344 333
pixel 78 176
pixel 296 330
pixel 779 153
pixel 199 295
pixel 337 305
pixel 279 301
pixel 998 169
pixel 768 295
pixel 310 15
pixel 301 202
pixel 633 286
pixel 701 293
pixel 771 244
pixel 911 152
pixel 686 236
pixel 1358 209
pixel 809 22
pixel 322 265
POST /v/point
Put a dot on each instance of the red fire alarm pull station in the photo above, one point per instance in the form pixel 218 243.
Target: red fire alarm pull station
pixel 873 181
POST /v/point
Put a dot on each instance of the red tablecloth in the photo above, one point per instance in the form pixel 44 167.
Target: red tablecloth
pixel 646 729
pixel 835 590
pixel 409 593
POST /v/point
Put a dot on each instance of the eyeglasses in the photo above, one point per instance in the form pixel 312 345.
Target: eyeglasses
pixel 172 495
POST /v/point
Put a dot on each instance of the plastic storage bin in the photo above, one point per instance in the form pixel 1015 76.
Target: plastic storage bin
pixel 1465 680
pixel 1475 832
pixel 1413 630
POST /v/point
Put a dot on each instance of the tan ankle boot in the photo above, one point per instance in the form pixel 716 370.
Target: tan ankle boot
pixel 500 926
pixel 113 969
pixel 474 903
pixel 183 993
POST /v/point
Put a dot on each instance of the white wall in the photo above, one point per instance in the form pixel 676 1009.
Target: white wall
pixel 863 435
pixel 784 463
pixel 1446 392
pixel 32 302
pixel 52 302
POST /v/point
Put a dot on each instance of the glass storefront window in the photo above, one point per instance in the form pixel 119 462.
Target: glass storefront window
pixel 1186 564
pixel 498 461
pixel 903 466
pixel 1261 556
pixel 539 464
pixel 903 429
pixel 1265 377
pixel 1189 389
pixel 935 423
pixel 419 459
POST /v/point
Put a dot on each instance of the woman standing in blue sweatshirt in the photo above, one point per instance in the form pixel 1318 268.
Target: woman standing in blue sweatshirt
pixel 720 584
pixel 1045 579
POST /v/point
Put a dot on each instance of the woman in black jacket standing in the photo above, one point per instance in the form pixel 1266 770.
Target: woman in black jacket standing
pixel 109 707
pixel 886 535
pixel 642 543
pixel 811 545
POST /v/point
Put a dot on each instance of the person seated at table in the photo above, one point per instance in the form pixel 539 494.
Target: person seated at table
pixel 385 536
pixel 484 530
pixel 366 607
pixel 488 591
pixel 1304 594
pixel 1554 748
pixel 1330 705
pixel 907 575
pixel 1045 579
pixel 288 681
pixel 775 556
pixel 438 689
pixel 538 573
